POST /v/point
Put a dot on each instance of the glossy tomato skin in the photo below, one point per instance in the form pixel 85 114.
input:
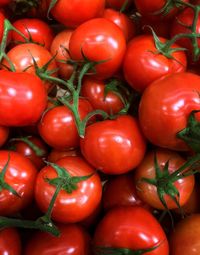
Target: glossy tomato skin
pixel 74 207
pixel 74 240
pixel 185 237
pixel 148 193
pixel 59 122
pixel 117 145
pixel 59 48
pixel 35 29
pixel 165 107
pixel 10 243
pixel 100 40
pixel 2 18
pixel 94 91
pixel 4 133
pixel 142 65
pixel 74 13
pixel 131 227
pixel 21 175
pixel 23 98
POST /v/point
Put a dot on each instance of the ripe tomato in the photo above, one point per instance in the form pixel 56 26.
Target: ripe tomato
pixel 59 122
pixel 23 98
pixel 147 169
pixel 35 30
pixel 69 207
pixel 75 12
pixel 131 227
pixel 185 237
pixel 55 155
pixel 117 145
pixel 2 18
pixel 142 65
pixel 165 107
pixel 59 48
pixel 20 175
pixel 74 240
pixel 10 236
pixel 4 133
pixel 99 40
pixel 117 4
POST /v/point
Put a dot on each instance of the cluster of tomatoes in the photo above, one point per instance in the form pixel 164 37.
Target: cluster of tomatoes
pixel 99 127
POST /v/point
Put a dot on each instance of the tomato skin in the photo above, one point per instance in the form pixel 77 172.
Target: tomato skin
pixel 60 42
pixel 39 31
pixel 148 192
pixel 10 243
pixel 23 98
pixel 75 12
pixel 21 175
pixel 117 145
pixel 100 40
pixel 74 207
pixel 131 227
pixel 4 133
pixel 2 18
pixel 94 91
pixel 122 21
pixel 74 240
pixel 185 237
pixel 55 155
pixel 59 122
pixel 117 4
pixel 165 107
pixel 142 65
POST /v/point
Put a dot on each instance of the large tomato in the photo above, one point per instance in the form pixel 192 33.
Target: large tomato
pixel 165 107
pixel 10 236
pixel 72 13
pixel 23 98
pixel 131 227
pixel 99 40
pixel 117 145
pixel 77 205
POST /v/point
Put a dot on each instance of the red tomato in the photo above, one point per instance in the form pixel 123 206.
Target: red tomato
pixel 94 91
pixel 117 4
pixel 165 107
pixel 75 12
pixel 60 47
pixel 23 98
pixel 4 133
pixel 2 18
pixel 69 207
pixel 122 21
pixel 149 193
pixel 74 240
pixel 99 40
pixel 35 30
pixel 10 243
pixel 131 227
pixel 55 155
pixel 59 122
pixel 20 175
pixel 142 65
pixel 117 145
pixel 184 239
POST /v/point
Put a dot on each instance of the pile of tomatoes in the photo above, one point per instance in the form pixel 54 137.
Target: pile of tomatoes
pixel 99 127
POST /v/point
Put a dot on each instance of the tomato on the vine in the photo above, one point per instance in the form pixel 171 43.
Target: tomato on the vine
pixel 10 236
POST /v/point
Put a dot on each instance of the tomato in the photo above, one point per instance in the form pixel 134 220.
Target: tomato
pixel 95 91
pixel 120 191
pixel 117 145
pixel 75 12
pixel 149 193
pixel 117 4
pixel 69 207
pixel 142 65
pixel 23 98
pixel 99 40
pixel 2 18
pixel 4 133
pixel 35 30
pixel 10 236
pixel 59 48
pixel 20 175
pixel 121 20
pixel 131 227
pixel 55 155
pixel 59 122
pixel 165 107
pixel 22 58
pixel 74 240
pixel 185 237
